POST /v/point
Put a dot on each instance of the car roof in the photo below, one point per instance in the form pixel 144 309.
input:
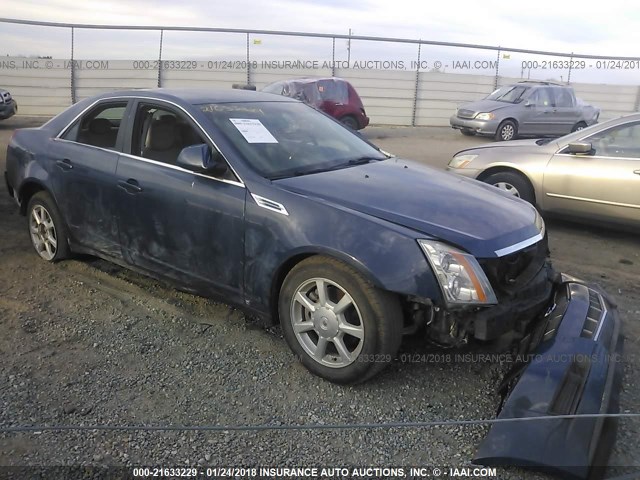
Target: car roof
pixel 198 96
pixel 310 80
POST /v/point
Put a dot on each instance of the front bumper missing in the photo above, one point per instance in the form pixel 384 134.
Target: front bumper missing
pixel 574 367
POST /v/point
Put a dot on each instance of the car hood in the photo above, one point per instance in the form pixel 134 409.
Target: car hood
pixel 485 106
pixel 515 145
pixel 469 214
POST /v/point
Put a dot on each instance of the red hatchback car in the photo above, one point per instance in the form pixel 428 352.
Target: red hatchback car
pixel 334 96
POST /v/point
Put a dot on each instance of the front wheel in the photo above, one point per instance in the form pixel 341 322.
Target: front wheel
pixel 512 183
pixel 507 130
pixel 46 229
pixel 340 326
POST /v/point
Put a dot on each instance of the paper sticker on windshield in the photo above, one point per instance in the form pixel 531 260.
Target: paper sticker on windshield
pixel 253 130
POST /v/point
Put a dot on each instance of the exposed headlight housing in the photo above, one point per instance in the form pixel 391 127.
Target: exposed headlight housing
pixel 459 274
pixel 485 116
pixel 461 161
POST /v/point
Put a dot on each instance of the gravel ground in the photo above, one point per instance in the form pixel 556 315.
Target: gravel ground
pixel 84 342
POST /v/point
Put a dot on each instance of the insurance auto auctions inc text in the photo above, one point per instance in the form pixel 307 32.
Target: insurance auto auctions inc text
pixel 351 472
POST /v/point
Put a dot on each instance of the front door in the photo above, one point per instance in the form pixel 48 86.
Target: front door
pixel 172 221
pixel 605 183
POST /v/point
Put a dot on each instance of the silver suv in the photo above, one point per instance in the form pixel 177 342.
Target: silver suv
pixel 525 109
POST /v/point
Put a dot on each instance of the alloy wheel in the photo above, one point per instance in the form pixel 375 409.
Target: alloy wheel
pixel 327 323
pixel 43 232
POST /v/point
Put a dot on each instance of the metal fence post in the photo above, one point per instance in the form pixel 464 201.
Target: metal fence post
pixel 415 92
pixel 333 58
pixel 72 70
pixel 495 81
pixel 570 64
pixel 160 60
pixel 248 62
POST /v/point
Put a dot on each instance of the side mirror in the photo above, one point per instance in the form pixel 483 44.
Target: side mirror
pixel 199 158
pixel 580 148
pixel 528 103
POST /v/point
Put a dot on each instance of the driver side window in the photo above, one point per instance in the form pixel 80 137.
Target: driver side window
pixel 541 98
pixel 622 141
pixel 160 134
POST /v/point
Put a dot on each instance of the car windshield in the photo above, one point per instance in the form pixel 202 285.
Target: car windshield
pixel 509 94
pixel 283 139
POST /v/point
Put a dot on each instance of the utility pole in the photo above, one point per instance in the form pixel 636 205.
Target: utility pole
pixel 349 50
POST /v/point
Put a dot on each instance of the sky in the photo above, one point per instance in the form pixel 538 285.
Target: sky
pixel 610 28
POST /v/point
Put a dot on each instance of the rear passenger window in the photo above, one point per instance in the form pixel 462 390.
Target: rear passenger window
pixel 563 97
pixel 99 127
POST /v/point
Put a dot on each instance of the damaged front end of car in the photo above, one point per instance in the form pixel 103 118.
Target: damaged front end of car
pixel 567 342
pixel 571 366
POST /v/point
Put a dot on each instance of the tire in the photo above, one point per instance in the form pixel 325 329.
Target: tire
pixel 467 133
pixel 350 122
pixel 514 183
pixel 47 231
pixel 372 316
pixel 578 126
pixel 508 130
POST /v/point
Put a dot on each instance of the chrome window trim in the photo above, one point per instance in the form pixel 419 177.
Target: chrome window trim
pixel 155 162
pixel 154 99
pixel 520 245
pixel 268 204
pixel 621 124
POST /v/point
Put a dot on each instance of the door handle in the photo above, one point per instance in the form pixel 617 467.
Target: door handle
pixel 130 186
pixel 637 172
pixel 64 164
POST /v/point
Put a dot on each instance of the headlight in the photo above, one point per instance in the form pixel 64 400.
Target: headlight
pixel 485 116
pixel 460 276
pixel 461 161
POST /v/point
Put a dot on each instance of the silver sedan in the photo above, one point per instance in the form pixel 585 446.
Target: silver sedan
pixel 593 173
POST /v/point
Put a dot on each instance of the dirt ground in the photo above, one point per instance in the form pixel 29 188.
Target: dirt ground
pixel 84 342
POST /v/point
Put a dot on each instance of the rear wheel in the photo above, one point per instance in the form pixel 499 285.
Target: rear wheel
pixel 507 130
pixel 578 126
pixel 512 183
pixel 350 122
pixel 46 229
pixel 340 326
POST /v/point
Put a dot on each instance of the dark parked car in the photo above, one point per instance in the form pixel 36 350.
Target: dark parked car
pixel 274 207
pixel 526 108
pixel 8 106
pixel 334 96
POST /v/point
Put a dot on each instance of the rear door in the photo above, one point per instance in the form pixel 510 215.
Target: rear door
pixel 86 156
pixel 604 184
pixel 173 221
pixel 567 113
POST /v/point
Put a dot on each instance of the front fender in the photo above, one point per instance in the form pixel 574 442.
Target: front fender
pixel 386 254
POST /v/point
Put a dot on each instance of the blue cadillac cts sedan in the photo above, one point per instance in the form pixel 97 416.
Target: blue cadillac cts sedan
pixel 266 203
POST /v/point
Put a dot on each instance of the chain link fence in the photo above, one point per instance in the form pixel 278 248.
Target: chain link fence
pixel 48 66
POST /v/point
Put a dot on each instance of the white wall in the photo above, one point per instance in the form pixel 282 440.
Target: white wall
pixel 388 95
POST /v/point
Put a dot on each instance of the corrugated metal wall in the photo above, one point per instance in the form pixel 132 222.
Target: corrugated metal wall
pixel 389 96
